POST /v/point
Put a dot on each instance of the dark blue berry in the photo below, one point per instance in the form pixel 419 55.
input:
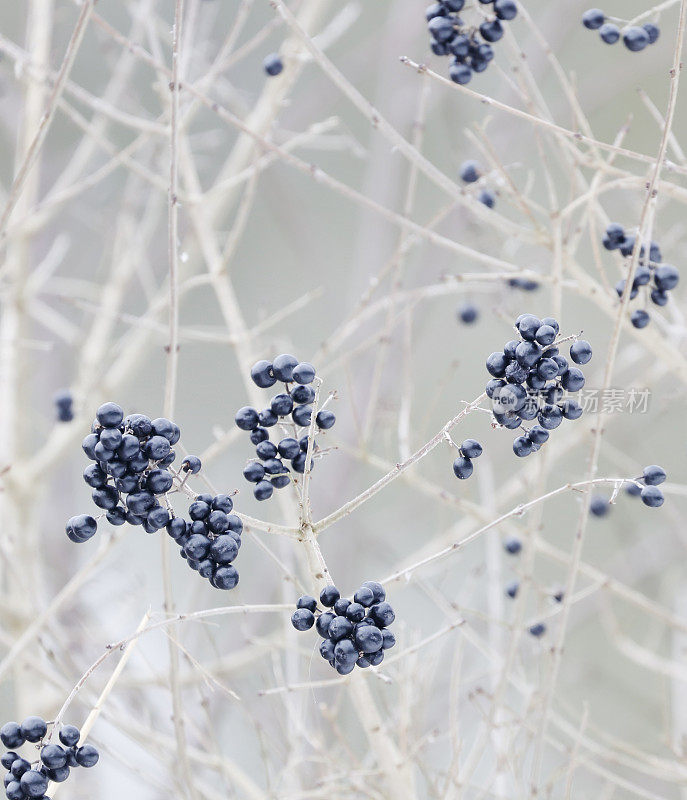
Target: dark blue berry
pixel 593 19
pixel 304 373
pixel 470 171
pixel 191 464
pixel 246 418
pixel 581 352
pixel 486 197
pixel 87 756
pixel 109 415
pixel 323 622
pixel 653 475
pixel 302 394
pixel 512 546
pixel 283 366
pixel 441 28
pixel 522 446
pixel 267 418
pixel 573 380
pixel 382 614
pixel 261 373
pixel 225 578
pixel 460 73
pixel 652 32
pixel 34 783
pixel 496 364
pixel 652 496
pixel 599 505
pixel 512 589
pixel 325 419
pixel 79 529
pixel 288 448
pixel 505 9
pixel 303 619
pixel 666 277
pixel 640 318
pixel 368 639
pixel 281 405
pixel 306 601
pixel 272 64
pixel 263 490
pixel 340 628
pixel 609 32
pixel 470 448
pixel 301 416
pixel 266 450
pixel 53 756
pixel 468 313
pixel 538 630
pixel 635 38
pixel 462 468
pixel 355 612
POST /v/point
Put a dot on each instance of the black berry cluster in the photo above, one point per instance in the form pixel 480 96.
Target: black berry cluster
pixel 658 278
pixel 29 779
pixel 531 379
pixel 635 37
pixel 471 172
pixel 354 632
pixel 469 45
pixel 290 411
pixel 63 406
pixel 462 466
pixel 132 473
pixel 651 477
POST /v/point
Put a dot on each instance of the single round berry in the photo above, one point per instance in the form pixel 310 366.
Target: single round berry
pixel 33 729
pixel 462 468
pixel 593 19
pixel 273 64
pixel 224 549
pixel 635 38
pixel 222 578
pixel 283 366
pixel 522 446
pixel 441 28
pixel 460 73
pixel 573 380
pixel 329 595
pixel 470 448
pixel 491 30
pixel 538 630
pixel 666 277
pixel 368 639
pixel 11 735
pixel 609 33
pixel 261 373
pixel 191 464
pixel 87 756
pixel 505 9
pixel 633 489
pixel 302 394
pixel 640 318
pixel 470 171
pixel 599 505
pixel 512 589
pixel 79 529
pixel 581 352
pixel 304 373
pixel 355 612
pixel 263 490
pixel 301 416
pixel 652 32
pixel 382 614
pixel 325 419
pixel 109 415
pixel 653 475
pixel 323 622
pixel 485 197
pixel 340 628
pixel 496 364
pixel 364 596
pixel 246 418
pixel 306 601
pixel 468 313
pixel 34 783
pixel 302 619
pixel 70 735
pixel 512 546
pixel 281 405
pixel 377 590
pixel 53 756
pixel 652 496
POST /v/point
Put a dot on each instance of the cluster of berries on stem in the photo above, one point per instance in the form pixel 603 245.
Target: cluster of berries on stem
pixel 29 779
pixel 471 172
pixel 354 632
pixel 530 379
pixel 289 412
pixel 468 44
pixel 659 279
pixel 132 479
pixel 635 37
pixel 646 486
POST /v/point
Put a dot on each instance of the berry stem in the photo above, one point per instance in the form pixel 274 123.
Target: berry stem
pixel 399 469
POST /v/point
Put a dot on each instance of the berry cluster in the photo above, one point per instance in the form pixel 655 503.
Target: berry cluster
pixel 132 472
pixel 462 466
pixel 657 277
pixel 651 495
pixel 355 632
pixel 470 46
pixel 635 37
pixel 25 779
pixel 530 378
pixel 63 406
pixel 471 172
pixel 292 410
